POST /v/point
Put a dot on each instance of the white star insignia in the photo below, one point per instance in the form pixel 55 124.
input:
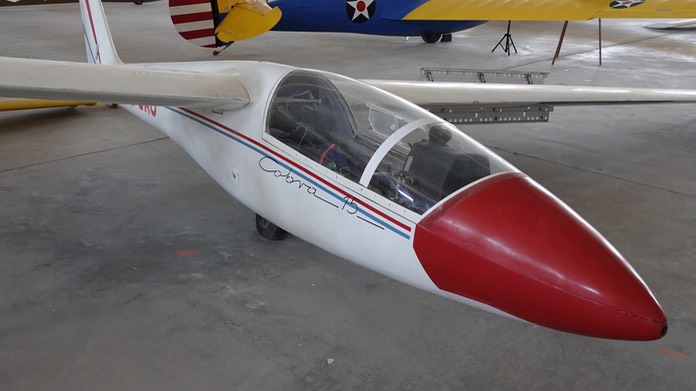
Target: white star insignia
pixel 360 7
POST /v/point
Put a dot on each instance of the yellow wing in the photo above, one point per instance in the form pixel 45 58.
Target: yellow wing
pixel 551 9
pixel 29 104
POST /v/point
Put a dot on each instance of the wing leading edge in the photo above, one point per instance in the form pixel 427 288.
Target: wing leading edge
pixel 124 84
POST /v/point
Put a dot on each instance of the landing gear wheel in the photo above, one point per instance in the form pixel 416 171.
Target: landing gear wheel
pixel 446 37
pixel 269 230
pixel 431 38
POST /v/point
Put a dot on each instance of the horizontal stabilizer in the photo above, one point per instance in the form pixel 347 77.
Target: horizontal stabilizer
pixel 124 84
pixel 247 20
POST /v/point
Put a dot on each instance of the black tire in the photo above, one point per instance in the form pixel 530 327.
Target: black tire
pixel 269 230
pixel 138 2
pixel 431 38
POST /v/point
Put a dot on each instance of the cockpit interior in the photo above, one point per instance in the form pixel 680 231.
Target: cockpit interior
pixel 395 149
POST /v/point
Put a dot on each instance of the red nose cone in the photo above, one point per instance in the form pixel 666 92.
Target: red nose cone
pixel 508 243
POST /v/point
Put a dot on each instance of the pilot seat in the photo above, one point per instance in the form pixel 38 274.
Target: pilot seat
pixel 437 169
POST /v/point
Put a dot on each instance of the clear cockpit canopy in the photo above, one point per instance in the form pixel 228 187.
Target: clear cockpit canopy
pixel 384 143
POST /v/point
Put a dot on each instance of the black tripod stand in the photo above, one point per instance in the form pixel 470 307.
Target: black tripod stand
pixel 508 42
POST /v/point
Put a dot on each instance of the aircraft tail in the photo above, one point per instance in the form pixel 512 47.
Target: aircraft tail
pixel 216 23
pixel 98 42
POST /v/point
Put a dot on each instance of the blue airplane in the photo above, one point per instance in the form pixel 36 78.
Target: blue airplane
pixel 218 23
pixel 379 17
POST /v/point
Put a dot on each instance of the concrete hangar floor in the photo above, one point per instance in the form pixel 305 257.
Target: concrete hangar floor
pixel 124 267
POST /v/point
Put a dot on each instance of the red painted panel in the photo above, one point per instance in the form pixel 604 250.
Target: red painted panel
pixel 195 17
pixel 509 243
pixel 197 33
pixel 178 3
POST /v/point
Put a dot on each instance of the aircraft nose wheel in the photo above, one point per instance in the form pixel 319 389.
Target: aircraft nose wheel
pixel 269 230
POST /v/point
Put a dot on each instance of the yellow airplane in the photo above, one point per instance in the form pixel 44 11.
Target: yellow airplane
pixel 536 10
